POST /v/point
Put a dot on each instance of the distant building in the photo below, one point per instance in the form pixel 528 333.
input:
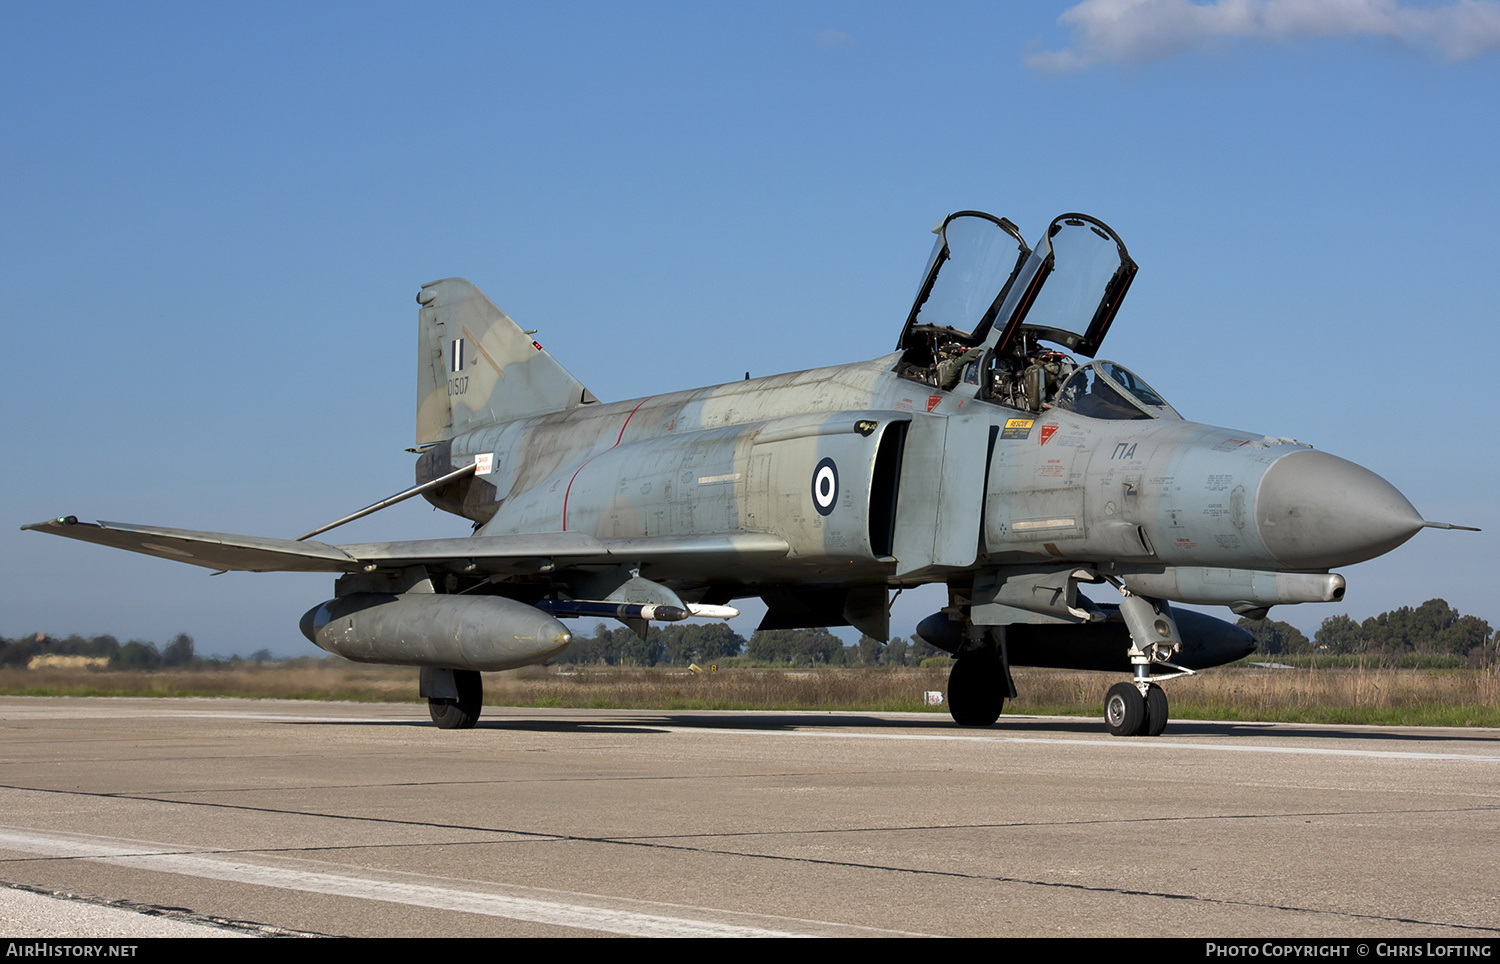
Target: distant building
pixel 68 662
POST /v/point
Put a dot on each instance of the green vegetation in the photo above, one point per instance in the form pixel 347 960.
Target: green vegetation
pixel 683 646
pixel 1433 635
pixel 41 649
pixel 1462 697
pixel 26 651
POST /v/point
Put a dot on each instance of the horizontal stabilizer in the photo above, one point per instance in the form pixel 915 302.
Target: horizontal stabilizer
pixel 212 550
pixel 501 555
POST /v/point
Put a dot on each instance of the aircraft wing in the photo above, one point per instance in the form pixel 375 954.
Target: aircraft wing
pixel 543 551
pixel 498 555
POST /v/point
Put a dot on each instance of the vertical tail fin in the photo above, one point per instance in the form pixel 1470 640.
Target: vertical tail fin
pixel 476 367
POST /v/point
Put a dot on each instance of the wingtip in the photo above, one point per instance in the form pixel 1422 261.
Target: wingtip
pixel 62 520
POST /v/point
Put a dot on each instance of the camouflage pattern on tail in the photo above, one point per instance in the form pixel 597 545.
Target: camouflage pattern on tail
pixel 476 367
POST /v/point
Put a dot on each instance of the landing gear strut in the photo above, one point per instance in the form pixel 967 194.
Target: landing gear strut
pixel 461 712
pixel 1139 708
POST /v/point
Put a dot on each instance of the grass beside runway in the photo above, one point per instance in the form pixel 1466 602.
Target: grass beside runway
pixel 1238 693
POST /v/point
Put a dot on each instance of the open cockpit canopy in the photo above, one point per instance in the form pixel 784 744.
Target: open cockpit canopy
pixel 987 300
pixel 977 256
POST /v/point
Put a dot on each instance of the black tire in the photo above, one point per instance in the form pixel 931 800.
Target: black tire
pixel 1156 711
pixel 1124 710
pixel 976 690
pixel 462 713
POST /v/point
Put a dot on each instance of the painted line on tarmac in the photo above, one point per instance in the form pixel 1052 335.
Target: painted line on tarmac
pixel 1114 743
pixel 594 912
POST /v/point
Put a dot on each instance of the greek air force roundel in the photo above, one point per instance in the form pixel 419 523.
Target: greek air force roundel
pixel 825 486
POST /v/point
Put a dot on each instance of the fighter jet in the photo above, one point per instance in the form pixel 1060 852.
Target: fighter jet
pixel 989 452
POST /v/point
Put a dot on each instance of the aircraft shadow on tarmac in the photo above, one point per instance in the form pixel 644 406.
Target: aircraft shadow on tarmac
pixel 650 721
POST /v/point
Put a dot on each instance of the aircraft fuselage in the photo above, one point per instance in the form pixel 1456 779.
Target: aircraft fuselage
pixel 874 478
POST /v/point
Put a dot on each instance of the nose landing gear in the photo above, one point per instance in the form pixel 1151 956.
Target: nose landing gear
pixel 1128 713
pixel 1139 708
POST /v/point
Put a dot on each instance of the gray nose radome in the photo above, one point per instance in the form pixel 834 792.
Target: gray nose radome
pixel 1316 511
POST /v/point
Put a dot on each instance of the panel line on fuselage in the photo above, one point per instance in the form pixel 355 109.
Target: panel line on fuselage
pixel 569 489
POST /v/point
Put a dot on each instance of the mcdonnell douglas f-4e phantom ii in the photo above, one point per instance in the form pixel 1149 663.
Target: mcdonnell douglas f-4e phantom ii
pixel 982 454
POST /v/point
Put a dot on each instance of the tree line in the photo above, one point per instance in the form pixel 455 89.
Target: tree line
pixel 684 645
pixel 136 654
pixel 1433 629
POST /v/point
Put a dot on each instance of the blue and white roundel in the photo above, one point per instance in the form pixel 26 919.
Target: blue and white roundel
pixel 825 486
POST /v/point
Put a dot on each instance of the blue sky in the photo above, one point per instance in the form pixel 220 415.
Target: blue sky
pixel 214 218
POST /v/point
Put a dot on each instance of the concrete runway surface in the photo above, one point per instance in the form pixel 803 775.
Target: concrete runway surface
pixel 363 819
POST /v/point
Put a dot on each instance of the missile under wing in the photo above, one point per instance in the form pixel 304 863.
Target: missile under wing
pixel 990 452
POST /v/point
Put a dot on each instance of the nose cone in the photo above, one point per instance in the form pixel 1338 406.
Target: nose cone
pixel 1316 511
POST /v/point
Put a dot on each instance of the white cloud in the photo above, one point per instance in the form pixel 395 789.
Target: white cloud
pixel 1133 31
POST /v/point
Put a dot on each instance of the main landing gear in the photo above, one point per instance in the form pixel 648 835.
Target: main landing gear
pixel 454 705
pixel 976 688
pixel 979 682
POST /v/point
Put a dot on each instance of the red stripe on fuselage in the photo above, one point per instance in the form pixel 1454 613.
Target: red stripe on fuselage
pixel 569 491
